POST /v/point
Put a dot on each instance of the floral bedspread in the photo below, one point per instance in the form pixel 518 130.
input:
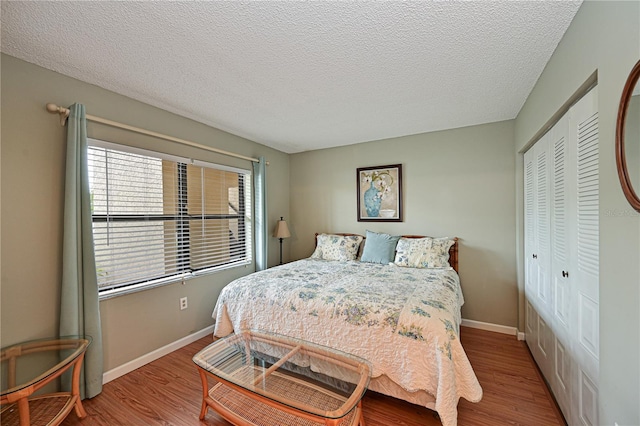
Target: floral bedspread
pixel 405 321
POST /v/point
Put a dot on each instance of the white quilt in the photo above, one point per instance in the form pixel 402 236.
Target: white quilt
pixel 405 321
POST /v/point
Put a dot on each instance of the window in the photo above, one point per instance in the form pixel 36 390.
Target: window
pixel 157 217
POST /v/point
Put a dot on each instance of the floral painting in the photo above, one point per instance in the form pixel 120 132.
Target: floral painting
pixel 380 193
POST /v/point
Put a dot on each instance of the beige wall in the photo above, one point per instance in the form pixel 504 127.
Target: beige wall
pixel 33 147
pixel 603 37
pixel 455 183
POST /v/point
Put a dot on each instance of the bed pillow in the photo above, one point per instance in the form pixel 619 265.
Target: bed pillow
pixel 379 248
pixel 337 247
pixel 423 252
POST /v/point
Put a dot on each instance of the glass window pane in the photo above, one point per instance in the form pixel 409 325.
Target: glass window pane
pixel 154 218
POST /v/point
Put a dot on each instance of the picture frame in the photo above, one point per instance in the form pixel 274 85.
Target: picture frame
pixel 379 193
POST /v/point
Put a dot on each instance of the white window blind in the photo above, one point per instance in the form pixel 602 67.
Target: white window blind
pixel 156 217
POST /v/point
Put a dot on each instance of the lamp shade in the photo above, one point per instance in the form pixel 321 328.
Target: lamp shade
pixel 282 230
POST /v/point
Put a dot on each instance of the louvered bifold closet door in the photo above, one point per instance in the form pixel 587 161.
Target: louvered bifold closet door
pixel 562 287
pixel 530 275
pixel 561 213
pixel 584 125
pixel 544 303
pixel 543 225
pixel 538 303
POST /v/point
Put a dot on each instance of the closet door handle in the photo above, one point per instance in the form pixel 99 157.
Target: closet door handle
pixel 535 256
pixel 565 274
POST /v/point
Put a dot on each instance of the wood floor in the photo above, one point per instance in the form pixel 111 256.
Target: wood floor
pixel 168 392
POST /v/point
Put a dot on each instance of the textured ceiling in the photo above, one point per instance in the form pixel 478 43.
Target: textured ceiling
pixel 299 76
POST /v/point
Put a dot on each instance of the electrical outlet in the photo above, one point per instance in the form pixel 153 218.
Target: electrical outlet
pixel 183 303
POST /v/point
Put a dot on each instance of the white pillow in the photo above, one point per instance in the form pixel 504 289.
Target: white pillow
pixel 337 247
pixel 423 252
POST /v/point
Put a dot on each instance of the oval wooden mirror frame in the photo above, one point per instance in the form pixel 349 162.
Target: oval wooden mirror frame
pixel 621 161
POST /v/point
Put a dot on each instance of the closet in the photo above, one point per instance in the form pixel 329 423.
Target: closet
pixel 561 221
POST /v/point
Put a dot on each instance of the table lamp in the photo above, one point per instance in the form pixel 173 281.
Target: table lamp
pixel 281 232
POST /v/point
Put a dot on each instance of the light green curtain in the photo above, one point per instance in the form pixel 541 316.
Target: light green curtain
pixel 79 307
pixel 260 196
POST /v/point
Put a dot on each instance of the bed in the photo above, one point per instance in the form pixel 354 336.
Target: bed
pixel 402 316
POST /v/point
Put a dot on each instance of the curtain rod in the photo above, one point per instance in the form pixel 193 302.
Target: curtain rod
pixel 64 113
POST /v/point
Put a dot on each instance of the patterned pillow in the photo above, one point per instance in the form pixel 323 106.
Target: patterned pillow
pixel 337 247
pixel 423 252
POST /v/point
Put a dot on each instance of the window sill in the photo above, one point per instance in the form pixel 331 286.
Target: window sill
pixel 109 294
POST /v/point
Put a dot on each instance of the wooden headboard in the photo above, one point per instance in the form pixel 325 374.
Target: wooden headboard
pixel 453 251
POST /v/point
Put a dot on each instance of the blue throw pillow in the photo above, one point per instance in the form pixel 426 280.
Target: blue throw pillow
pixel 379 248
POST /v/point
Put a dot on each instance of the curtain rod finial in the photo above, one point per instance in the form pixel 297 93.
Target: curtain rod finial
pixel 55 109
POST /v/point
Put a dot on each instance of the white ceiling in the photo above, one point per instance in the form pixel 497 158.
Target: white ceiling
pixel 299 76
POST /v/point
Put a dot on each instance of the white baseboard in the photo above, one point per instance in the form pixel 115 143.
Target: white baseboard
pixel 497 328
pixel 128 367
pixel 160 352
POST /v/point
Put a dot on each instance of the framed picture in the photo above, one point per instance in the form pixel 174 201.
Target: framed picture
pixel 379 191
